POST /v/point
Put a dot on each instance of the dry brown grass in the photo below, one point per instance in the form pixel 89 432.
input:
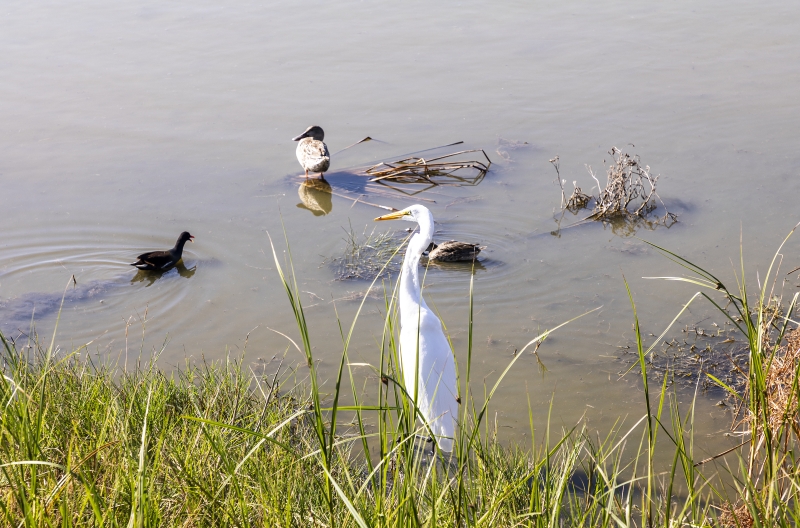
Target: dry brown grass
pixel 736 517
pixel 449 169
pixel 781 383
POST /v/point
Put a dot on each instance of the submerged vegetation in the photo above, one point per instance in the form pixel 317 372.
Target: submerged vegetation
pixel 718 351
pixel 86 444
pixel 368 255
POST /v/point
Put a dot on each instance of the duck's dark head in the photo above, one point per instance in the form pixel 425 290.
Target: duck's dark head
pixel 185 237
pixel 313 132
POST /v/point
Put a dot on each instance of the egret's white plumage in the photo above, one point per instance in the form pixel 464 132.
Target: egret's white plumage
pixel 431 381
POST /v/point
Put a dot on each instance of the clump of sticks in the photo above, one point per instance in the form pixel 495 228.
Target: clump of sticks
pixel 449 169
pixel 629 192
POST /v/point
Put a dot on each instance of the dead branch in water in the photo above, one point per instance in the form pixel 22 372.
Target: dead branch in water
pixel 441 170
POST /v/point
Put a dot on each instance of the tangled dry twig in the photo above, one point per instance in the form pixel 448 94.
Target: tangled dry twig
pixel 629 193
pixel 441 170
pixel 630 187
pixel 578 200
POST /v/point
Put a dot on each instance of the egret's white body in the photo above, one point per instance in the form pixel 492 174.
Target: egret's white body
pixel 426 359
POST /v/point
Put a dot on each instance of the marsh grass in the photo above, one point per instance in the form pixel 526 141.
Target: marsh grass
pixel 768 476
pixel 368 255
pixel 84 443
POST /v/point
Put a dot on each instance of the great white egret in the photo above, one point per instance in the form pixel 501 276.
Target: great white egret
pixel 161 260
pixel 426 360
pixel 312 153
pixel 453 251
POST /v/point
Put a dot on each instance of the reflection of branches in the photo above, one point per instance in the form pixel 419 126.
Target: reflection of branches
pixel 622 225
pixel 557 231
pixel 627 225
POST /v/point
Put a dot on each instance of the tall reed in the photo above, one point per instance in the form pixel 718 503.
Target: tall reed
pixel 768 490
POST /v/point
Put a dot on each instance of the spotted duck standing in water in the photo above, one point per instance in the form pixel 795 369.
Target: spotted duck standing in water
pixel 312 153
pixel 161 260
pixel 453 251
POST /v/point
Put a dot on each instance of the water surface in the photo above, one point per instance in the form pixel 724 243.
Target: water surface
pixel 124 124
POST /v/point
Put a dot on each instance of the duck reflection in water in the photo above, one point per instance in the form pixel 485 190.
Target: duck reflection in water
pixel 152 276
pixel 457 266
pixel 315 196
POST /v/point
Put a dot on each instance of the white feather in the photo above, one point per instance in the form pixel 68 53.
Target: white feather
pixel 426 358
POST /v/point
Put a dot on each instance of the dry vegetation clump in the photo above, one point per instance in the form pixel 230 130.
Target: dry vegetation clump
pixel 736 517
pixel 578 200
pixel 780 379
pixel 441 170
pixel 629 193
pixel 630 188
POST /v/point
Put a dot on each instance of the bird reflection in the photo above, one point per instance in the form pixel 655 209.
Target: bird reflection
pixel 315 195
pixel 152 276
pixel 458 266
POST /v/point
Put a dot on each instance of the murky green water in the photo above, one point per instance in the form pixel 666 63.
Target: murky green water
pixel 124 124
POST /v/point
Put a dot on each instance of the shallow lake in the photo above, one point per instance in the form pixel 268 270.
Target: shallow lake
pixel 125 123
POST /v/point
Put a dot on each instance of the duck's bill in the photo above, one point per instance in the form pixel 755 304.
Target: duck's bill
pixel 191 239
pixel 397 215
pixel 301 136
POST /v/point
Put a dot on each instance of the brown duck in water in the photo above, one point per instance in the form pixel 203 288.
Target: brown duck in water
pixel 312 153
pixel 453 251
pixel 161 260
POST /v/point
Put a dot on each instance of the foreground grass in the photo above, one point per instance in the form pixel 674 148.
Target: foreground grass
pixel 218 445
pixel 86 444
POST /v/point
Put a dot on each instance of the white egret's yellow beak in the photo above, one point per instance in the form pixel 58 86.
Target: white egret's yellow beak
pixel 397 215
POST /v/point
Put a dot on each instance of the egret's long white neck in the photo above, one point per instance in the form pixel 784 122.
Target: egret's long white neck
pixel 410 285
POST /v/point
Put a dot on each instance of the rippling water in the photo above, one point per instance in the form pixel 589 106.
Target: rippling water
pixel 124 124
